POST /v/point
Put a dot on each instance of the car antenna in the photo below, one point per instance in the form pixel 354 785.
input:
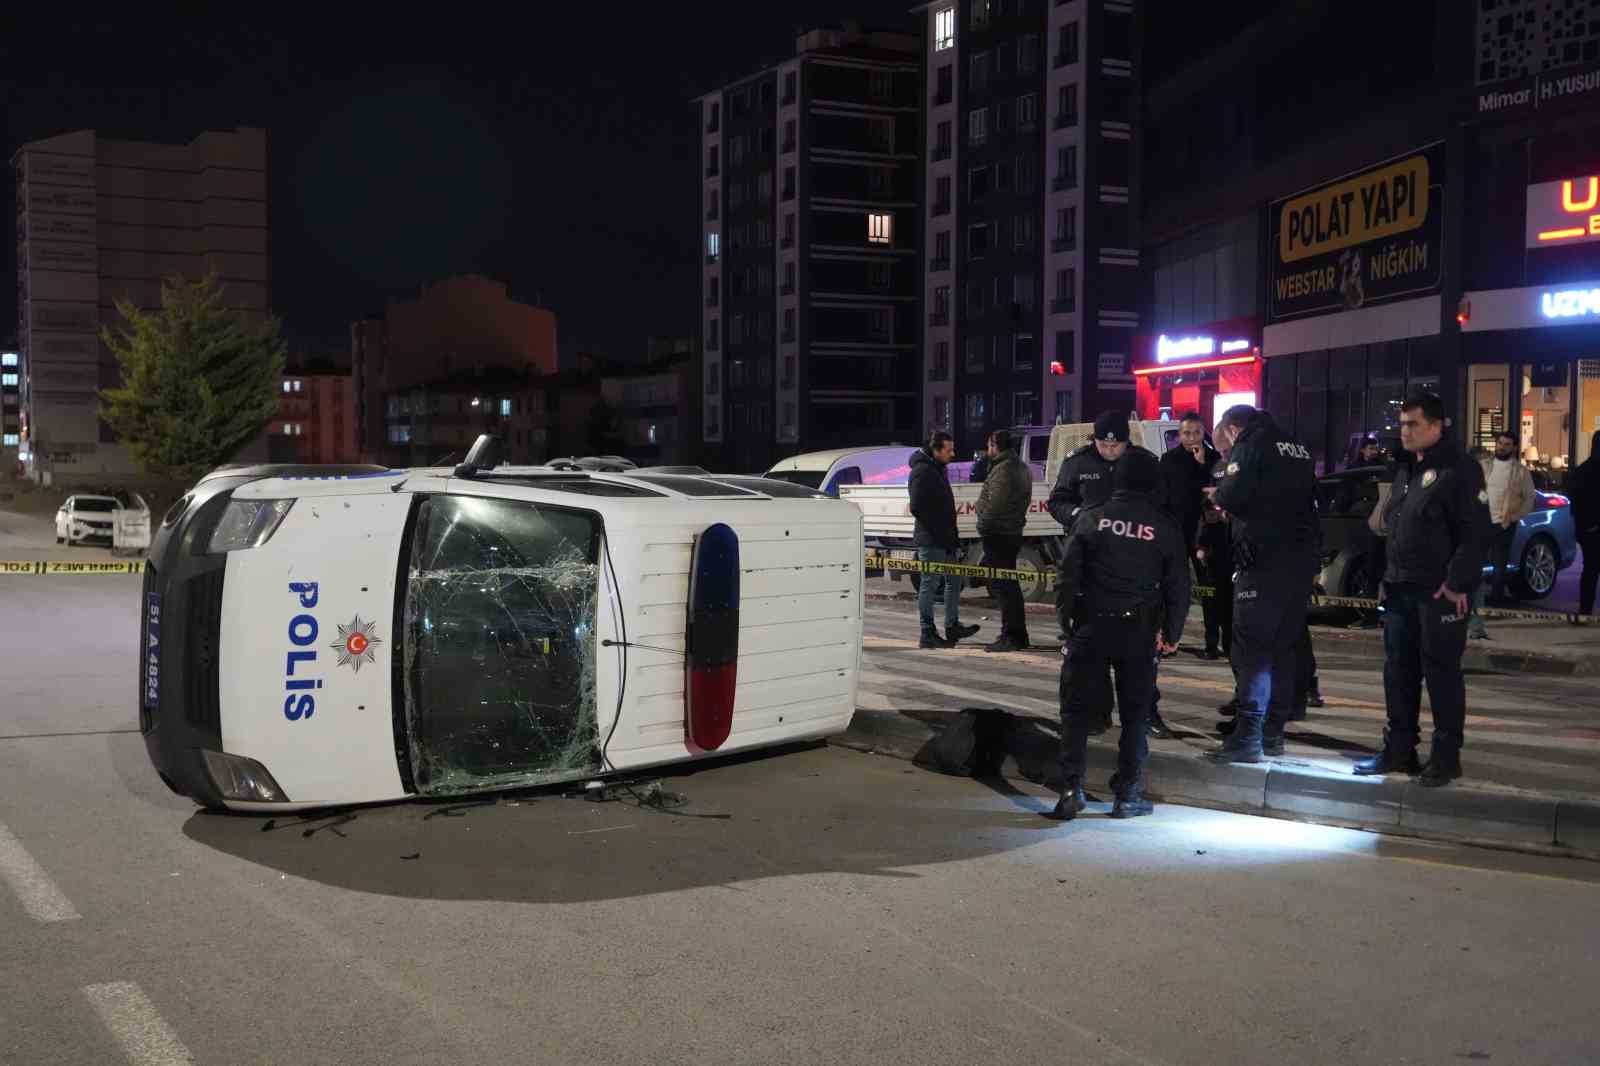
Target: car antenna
pixel 485 454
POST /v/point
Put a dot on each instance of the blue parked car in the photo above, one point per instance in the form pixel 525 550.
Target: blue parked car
pixel 1546 541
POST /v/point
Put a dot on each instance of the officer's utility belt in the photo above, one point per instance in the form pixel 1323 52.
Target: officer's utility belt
pixel 875 561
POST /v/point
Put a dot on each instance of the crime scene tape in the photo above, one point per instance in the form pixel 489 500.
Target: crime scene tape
pixel 59 566
pixel 917 566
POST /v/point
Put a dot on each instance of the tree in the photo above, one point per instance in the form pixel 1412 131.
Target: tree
pixel 199 379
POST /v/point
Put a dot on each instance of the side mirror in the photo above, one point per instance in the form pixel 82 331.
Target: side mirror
pixel 485 454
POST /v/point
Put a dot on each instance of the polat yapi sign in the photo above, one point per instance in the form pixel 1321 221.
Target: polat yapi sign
pixel 1369 238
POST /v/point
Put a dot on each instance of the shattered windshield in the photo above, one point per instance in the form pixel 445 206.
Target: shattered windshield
pixel 499 644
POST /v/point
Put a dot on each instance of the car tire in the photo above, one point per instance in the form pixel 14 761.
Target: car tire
pixel 1537 569
pixel 1030 558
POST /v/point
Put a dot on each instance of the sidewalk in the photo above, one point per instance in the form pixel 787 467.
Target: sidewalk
pixel 1533 747
pixel 1531 647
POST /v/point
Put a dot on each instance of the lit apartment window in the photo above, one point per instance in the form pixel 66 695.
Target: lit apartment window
pixel 286 386
pixel 880 229
pixel 505 408
pixel 713 246
pixel 944 29
pixel 8 359
pixel 10 440
pixel 8 379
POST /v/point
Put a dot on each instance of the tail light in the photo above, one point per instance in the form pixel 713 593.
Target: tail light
pixel 712 638
pixel 1555 499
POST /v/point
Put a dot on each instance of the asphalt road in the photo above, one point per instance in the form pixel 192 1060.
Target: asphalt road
pixel 814 906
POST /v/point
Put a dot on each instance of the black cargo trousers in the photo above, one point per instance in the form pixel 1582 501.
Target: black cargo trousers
pixel 1103 645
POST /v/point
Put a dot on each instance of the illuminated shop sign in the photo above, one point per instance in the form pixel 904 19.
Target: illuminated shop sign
pixel 1570 303
pixel 1564 212
pixel 1173 349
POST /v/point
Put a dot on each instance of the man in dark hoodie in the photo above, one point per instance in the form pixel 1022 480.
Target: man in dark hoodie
pixel 933 505
pixel 1122 595
pixel 1439 527
pixel 1583 487
pixel 1268 490
pixel 1002 513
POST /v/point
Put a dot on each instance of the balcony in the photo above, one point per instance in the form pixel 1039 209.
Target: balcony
pixel 1065 59
pixel 1066 120
pixel 941 152
pixel 1063 305
pixel 1063 182
pixel 940 99
pixel 936 266
pixel 788 192
pixel 1063 244
pixel 711 257
pixel 942 207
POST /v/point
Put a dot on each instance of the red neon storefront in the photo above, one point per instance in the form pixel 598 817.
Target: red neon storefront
pixel 1207 368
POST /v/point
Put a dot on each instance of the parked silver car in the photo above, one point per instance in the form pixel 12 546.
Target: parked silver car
pixel 1546 542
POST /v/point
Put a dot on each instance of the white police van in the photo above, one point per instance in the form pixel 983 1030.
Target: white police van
pixel 318 636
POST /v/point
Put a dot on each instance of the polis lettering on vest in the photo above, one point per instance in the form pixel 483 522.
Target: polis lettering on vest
pixel 1293 451
pixel 1123 528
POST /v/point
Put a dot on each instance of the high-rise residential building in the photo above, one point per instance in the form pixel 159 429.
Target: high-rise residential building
pixel 315 422
pixel 457 329
pixel 809 196
pixel 1031 209
pixel 103 220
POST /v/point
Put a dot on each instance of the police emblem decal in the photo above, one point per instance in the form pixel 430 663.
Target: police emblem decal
pixel 1233 468
pixel 1429 477
pixel 355 643
pixel 1483 495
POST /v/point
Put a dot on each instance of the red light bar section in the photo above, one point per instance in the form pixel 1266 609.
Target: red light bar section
pixel 1180 368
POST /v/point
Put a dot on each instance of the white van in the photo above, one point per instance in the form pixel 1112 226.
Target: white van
pixel 827 471
pixel 316 636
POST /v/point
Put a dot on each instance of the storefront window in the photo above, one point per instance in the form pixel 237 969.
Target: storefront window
pixel 1588 406
pixel 1546 403
pixel 1311 421
pixel 1279 383
pixel 1486 403
pixel 1386 388
pixel 1347 413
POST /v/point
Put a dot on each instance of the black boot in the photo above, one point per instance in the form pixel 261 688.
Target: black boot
pixel 1397 757
pixel 960 632
pixel 1229 709
pixel 1225 727
pixel 1244 743
pixel 1131 802
pixel 1156 726
pixel 1272 737
pixel 1444 765
pixel 932 639
pixel 1071 803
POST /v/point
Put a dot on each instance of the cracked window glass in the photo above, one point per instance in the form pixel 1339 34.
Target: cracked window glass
pixel 499 644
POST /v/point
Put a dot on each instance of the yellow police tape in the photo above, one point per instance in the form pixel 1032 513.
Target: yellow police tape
pixel 57 566
pixel 1198 592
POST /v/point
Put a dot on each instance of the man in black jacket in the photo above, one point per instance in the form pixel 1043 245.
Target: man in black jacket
pixel 1438 520
pixel 1268 490
pixel 1122 595
pixel 933 505
pixel 1002 513
pixel 1583 487
pixel 1186 474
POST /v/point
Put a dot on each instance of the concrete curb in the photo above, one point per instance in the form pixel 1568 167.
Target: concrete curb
pixel 1368 643
pixel 1542 823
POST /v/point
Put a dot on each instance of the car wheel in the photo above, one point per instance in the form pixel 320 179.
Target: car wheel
pixel 1037 590
pixel 1536 573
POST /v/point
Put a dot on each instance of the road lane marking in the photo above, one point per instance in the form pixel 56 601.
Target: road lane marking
pixel 38 894
pixel 145 1036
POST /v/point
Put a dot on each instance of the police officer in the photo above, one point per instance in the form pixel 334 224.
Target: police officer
pixel 1122 594
pixel 1084 480
pixel 1437 517
pixel 1268 490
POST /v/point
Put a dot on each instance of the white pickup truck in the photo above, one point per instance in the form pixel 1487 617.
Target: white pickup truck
pixel 888 527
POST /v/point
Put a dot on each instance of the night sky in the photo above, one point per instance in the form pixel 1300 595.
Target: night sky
pixel 558 152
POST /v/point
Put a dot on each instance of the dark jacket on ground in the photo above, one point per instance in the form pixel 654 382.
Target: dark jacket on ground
pixel 933 504
pixel 1007 492
pixel 1084 480
pixel 1438 519
pixel 1269 487
pixel 1184 479
pixel 1583 489
pixel 1124 555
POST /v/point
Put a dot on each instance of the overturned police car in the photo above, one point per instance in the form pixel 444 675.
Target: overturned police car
pixel 318 636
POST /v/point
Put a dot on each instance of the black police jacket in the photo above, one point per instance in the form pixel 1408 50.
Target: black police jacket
pixel 1084 480
pixel 933 504
pixel 1269 488
pixel 1125 555
pixel 1185 480
pixel 1437 519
